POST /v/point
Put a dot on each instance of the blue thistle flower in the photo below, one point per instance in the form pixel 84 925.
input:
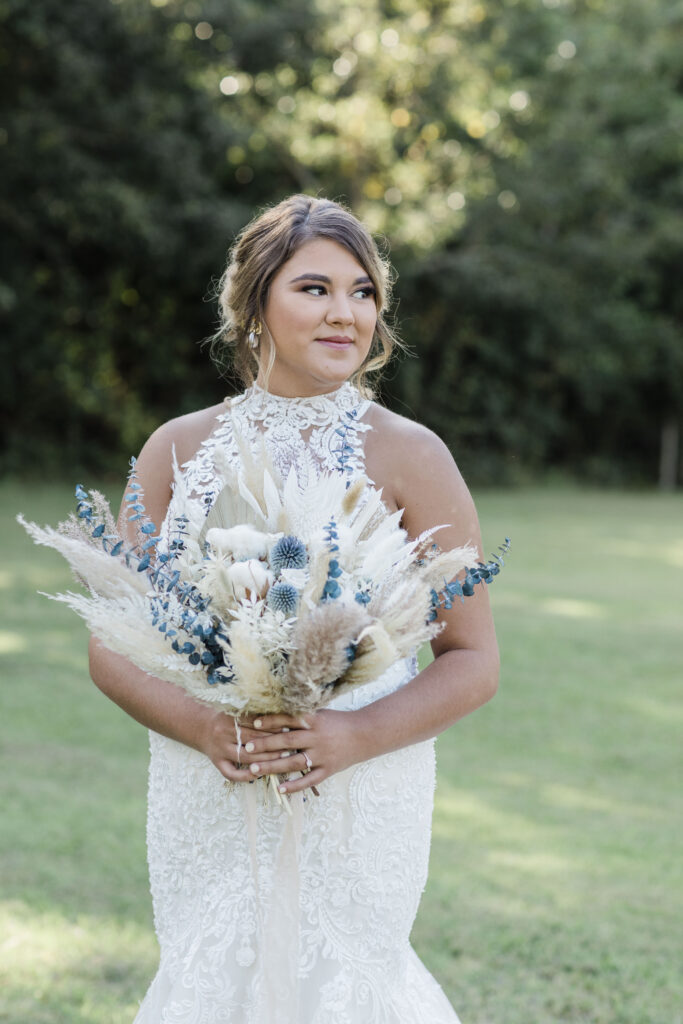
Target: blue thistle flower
pixel 288 553
pixel 283 597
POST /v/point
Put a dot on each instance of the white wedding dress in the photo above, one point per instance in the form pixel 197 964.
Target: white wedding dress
pixel 263 918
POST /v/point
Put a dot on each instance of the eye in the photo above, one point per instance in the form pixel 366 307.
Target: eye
pixel 366 292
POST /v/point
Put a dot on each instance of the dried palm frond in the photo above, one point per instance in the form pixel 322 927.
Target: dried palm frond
pixel 228 510
pixel 310 507
pixel 369 515
pixel 257 473
pixel 380 554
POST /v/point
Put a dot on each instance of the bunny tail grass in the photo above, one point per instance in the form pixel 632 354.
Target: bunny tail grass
pixel 322 650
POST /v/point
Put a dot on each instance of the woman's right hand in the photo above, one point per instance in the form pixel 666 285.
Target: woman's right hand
pixel 226 743
pixel 167 709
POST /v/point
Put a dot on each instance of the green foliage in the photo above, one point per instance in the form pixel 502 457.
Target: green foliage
pixel 115 220
pixel 522 158
pixel 550 331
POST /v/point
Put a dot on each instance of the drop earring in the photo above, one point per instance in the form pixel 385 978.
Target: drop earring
pixel 255 329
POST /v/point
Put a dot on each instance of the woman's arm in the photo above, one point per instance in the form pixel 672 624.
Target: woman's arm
pixel 464 675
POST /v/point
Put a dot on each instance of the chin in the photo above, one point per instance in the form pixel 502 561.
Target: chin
pixel 314 376
pixel 337 370
pixel 333 378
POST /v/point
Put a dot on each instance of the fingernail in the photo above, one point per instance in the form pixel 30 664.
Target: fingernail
pixel 284 729
pixel 286 753
pixel 283 789
pixel 258 723
pixel 250 748
pixel 255 769
pixel 304 725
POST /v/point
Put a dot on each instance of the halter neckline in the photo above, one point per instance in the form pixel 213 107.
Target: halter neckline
pixel 339 395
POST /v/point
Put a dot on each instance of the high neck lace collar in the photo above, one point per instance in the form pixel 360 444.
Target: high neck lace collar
pixel 320 434
pixel 301 412
pixel 256 393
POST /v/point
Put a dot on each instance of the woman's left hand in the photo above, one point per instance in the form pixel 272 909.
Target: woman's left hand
pixel 321 744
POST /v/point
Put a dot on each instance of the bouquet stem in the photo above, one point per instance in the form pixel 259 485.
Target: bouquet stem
pixel 282 798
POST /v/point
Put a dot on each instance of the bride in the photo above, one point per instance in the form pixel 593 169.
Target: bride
pixel 262 917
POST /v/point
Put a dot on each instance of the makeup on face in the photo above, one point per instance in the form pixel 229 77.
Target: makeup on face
pixel 321 315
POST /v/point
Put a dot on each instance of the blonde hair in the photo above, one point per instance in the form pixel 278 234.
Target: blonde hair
pixel 262 247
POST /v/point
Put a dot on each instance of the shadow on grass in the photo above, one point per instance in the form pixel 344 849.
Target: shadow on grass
pixel 90 969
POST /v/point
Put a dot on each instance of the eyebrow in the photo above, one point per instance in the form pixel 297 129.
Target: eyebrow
pixel 326 280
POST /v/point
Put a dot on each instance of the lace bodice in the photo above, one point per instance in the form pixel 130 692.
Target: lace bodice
pixel 307 433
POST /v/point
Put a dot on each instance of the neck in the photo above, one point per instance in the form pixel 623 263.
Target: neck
pixel 298 392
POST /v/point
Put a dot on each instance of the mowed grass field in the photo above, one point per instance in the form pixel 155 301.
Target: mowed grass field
pixel 556 883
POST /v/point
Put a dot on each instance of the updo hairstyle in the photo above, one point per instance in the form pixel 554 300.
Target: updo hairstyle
pixel 261 248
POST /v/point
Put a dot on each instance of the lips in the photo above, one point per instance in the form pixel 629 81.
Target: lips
pixel 336 341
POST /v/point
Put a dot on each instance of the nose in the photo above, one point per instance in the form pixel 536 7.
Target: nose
pixel 339 311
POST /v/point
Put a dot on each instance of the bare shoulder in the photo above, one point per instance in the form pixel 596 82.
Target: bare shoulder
pixel 391 429
pixel 406 458
pixel 183 435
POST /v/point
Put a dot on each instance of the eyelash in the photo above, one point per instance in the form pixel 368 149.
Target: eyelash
pixel 368 293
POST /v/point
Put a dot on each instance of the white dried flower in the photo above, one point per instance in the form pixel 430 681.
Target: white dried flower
pixel 241 542
pixel 249 579
pixel 297 577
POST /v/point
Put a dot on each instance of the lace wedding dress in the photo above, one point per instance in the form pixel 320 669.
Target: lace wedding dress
pixel 263 918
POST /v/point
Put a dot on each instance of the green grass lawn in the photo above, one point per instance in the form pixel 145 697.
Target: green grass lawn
pixel 556 877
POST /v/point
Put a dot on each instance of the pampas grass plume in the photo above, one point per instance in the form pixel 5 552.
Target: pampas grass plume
pixel 260 689
pixel 320 654
pixel 444 566
pixel 375 654
pixel 90 563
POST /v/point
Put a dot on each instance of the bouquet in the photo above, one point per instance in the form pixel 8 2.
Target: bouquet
pixel 274 598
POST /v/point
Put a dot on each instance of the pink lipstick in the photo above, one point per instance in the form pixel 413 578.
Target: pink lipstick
pixel 336 341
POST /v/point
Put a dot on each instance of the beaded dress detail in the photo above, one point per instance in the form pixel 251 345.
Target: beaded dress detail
pixel 263 918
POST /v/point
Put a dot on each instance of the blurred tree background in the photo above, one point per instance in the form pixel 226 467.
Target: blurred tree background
pixel 523 158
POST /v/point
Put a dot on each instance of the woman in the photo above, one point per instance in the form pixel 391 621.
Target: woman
pixel 264 918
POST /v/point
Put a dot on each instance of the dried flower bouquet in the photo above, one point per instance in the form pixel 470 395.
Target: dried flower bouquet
pixel 277 598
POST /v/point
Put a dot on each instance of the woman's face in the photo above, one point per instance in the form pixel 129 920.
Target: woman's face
pixel 321 315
